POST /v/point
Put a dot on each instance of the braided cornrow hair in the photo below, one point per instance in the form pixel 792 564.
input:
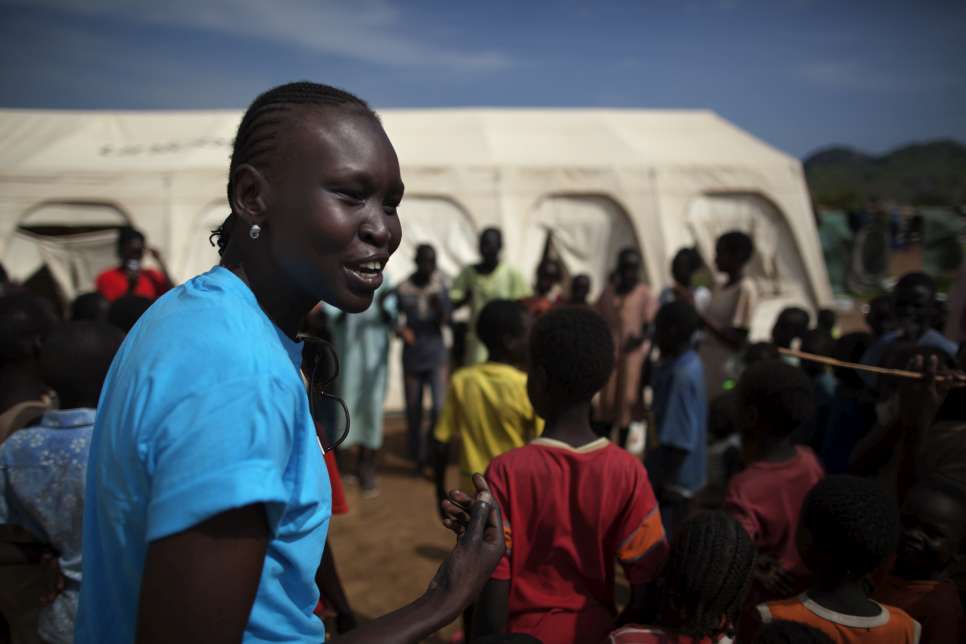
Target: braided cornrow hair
pixel 258 131
pixel 706 577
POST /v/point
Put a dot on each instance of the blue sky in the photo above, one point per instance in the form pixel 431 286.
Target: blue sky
pixel 800 74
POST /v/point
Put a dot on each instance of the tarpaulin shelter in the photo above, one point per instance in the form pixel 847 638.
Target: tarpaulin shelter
pixel 597 180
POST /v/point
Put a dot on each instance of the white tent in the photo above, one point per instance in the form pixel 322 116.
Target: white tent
pixel 598 180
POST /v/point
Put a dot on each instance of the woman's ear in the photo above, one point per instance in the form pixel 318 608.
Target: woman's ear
pixel 250 194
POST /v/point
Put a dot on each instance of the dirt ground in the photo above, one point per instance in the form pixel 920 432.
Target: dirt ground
pixel 389 546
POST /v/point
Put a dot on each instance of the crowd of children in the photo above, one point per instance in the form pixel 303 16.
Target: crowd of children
pixel 792 555
pixel 765 509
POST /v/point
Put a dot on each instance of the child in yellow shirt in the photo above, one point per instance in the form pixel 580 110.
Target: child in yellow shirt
pixel 487 404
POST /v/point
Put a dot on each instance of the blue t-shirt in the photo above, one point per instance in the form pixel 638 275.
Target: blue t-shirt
pixel 681 414
pixel 203 411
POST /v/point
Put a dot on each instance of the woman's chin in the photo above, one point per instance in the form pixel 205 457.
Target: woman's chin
pixel 352 302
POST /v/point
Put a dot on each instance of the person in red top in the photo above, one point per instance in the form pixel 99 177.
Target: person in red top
pixel 702 587
pixel 773 400
pixel 571 502
pixel 130 278
pixel 548 276
pixel 849 528
pixel 933 528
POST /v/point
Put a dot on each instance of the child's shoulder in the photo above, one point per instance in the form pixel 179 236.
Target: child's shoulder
pixel 544 447
pixel 902 621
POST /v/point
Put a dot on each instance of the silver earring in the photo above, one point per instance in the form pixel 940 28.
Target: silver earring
pixel 254 231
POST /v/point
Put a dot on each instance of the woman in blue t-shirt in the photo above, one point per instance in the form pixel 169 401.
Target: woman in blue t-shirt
pixel 207 500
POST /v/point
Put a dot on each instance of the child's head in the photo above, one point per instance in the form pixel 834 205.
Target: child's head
pixel 848 527
pixel 548 275
pixel 758 352
pixel 773 400
pixel 425 261
pixel 571 358
pixel 914 299
pixel 933 528
pixel 580 289
pixel 785 632
pixel 503 327
pixel 881 315
pixel 89 306
pixel 850 348
pixel 75 359
pixel 491 245
pixel 685 264
pixel 126 310
pixel 733 251
pixel 628 271
pixel 130 245
pixel 706 577
pixel 674 327
pixel 24 324
pixel 792 324
pixel 820 343
pixel 826 321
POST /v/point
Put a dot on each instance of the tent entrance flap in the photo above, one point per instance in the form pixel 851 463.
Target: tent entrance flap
pixel 587 233
pixel 443 224
pixel 71 242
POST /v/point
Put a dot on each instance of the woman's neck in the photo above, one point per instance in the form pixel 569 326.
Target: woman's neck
pixel 285 308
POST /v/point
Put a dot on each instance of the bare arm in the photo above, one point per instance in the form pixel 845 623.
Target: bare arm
pixel 634 611
pixel 490 615
pixel 458 582
pixel 440 458
pixel 732 337
pixel 330 587
pixel 199 585
pixel 875 449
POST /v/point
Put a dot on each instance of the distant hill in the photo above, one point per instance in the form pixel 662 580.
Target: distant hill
pixel 924 174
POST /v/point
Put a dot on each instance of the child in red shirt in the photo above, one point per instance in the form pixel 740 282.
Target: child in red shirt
pixel 773 400
pixel 703 586
pixel 571 502
pixel 933 527
pixel 548 276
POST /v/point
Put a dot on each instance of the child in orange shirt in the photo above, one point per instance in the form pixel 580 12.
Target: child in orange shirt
pixel 933 528
pixel 848 528
pixel 784 632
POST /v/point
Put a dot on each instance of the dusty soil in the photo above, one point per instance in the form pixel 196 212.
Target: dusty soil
pixel 389 546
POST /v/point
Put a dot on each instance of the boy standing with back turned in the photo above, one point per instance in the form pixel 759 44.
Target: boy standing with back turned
pixel 571 502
